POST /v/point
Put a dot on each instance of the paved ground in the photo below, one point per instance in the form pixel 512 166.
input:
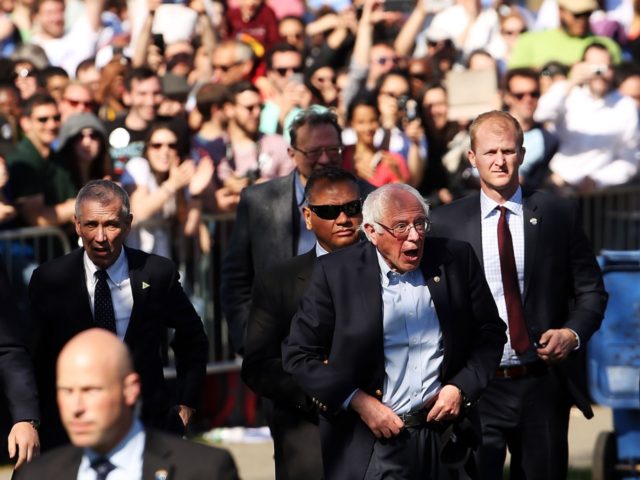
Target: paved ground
pixel 255 459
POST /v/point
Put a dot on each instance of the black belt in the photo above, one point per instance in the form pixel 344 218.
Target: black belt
pixel 519 371
pixel 417 418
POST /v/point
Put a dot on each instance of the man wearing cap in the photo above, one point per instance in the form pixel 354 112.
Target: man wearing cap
pixel 565 44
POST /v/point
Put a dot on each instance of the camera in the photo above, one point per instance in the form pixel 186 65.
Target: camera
pixel 599 69
pixel 409 106
pixel 253 175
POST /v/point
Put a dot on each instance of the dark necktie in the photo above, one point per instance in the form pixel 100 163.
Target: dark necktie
pixel 515 314
pixel 103 305
pixel 103 468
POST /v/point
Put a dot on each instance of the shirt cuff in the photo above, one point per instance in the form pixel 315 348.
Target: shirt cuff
pixel 347 402
pixel 577 338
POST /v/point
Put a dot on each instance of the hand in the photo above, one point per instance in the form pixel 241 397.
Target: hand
pixel 557 344
pixel 202 176
pixel 414 131
pixel 580 73
pixel 226 199
pixel 447 404
pixel 185 414
pixel 181 173
pixel 236 184
pixel 380 419
pixel 7 212
pixel 24 441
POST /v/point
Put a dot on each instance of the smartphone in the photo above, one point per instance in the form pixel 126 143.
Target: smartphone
pixel 158 41
pixel 404 6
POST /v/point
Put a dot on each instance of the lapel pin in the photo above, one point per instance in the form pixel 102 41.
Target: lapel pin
pixel 161 474
pixel 436 279
pixel 533 221
pixel 145 285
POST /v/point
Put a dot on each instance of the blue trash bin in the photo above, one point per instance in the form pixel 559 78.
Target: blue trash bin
pixel 613 364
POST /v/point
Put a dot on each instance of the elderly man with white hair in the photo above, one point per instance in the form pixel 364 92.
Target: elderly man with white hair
pixel 395 340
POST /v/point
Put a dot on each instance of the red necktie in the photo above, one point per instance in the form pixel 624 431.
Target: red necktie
pixel 515 314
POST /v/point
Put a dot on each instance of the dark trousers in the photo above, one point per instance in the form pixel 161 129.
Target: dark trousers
pixel 530 417
pixel 412 455
pixel 296 446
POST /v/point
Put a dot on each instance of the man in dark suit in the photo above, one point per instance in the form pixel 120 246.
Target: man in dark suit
pixel 269 227
pixel 333 212
pixel 18 382
pixel 97 390
pixel 142 296
pixel 549 291
pixel 393 340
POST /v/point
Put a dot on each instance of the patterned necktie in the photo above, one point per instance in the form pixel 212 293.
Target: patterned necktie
pixel 103 305
pixel 515 314
pixel 103 468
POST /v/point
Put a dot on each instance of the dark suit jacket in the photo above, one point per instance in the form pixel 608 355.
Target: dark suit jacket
pixel 266 232
pixel 16 370
pixel 60 309
pixel 562 281
pixel 181 459
pixel 340 321
pixel 276 295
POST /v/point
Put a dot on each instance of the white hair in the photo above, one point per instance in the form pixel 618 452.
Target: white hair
pixel 375 205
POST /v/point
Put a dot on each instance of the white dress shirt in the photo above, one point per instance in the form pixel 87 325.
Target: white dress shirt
pixel 127 457
pixel 120 287
pixel 491 256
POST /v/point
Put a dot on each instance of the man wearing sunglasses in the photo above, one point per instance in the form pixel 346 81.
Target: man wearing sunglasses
pixel 333 213
pixel 43 190
pixel 269 224
pixel 521 94
pixel 394 340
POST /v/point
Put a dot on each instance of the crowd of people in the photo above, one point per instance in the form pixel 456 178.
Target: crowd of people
pixel 323 127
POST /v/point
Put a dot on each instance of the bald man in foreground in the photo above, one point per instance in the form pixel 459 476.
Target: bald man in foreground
pixel 97 391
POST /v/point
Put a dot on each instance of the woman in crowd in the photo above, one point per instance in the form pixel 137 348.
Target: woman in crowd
pixel 164 192
pixel 83 146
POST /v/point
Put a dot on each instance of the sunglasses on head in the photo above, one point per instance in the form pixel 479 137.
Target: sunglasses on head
pixel 331 212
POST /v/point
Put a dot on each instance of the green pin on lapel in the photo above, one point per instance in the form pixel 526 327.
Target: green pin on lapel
pixel 145 285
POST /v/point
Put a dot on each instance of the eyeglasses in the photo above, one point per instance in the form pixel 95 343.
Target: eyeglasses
pixel 76 103
pixel 513 33
pixel 331 212
pixel 393 94
pixel 55 118
pixel 24 73
pixel 521 95
pixel 159 145
pixel 401 230
pixel 226 68
pixel 282 71
pixel 385 60
pixel 315 154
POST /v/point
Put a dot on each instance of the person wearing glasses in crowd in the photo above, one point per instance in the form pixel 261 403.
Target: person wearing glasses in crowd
pixel 394 340
pixel 25 77
pixel 520 95
pixel 269 223
pixel 233 61
pixel 43 190
pixel 156 184
pixel 76 98
pixel 283 88
pixel 333 213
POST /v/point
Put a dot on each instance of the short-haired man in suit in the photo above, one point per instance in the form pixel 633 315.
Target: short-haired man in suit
pixel 269 226
pixel 549 290
pixel 333 212
pixel 97 391
pixel 135 295
pixel 393 339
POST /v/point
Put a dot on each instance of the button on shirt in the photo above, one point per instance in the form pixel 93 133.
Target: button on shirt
pixel 126 457
pixel 120 287
pixel 413 350
pixel 491 257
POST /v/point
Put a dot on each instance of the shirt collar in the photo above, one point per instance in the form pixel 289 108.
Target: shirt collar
pixel 117 272
pixel 386 274
pixel 488 205
pixel 297 181
pixel 125 452
pixel 319 250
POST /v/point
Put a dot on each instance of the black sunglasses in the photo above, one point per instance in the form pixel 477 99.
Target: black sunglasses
pixel 283 71
pixel 331 212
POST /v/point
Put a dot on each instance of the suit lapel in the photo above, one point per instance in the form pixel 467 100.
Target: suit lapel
pixel 471 224
pixel 155 462
pixel 285 217
pixel 532 219
pixel 368 275
pixel 140 288
pixel 302 279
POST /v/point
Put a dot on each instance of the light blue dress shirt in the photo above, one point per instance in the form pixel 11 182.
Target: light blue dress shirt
pixel 413 349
